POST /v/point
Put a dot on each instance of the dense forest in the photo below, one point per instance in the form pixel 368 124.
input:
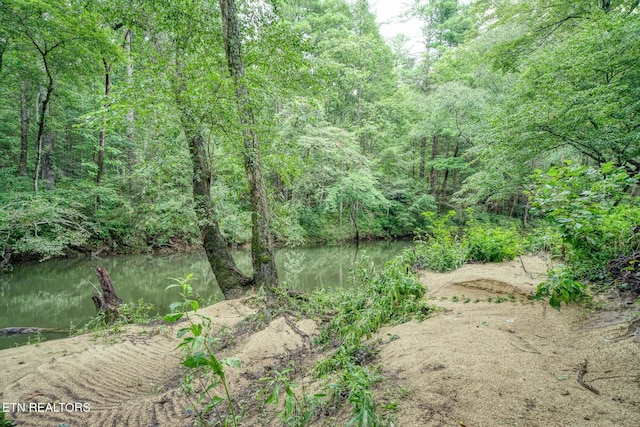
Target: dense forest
pixel 510 127
pixel 131 126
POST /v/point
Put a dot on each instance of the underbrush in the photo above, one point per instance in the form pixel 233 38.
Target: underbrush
pixel 392 296
pixel 445 247
pixel 596 218
pixel 347 374
pixel 138 312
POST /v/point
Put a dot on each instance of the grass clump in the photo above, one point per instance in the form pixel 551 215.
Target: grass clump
pixel 138 312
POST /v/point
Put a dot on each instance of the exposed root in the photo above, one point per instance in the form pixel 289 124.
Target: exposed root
pixel 305 337
pixel 581 381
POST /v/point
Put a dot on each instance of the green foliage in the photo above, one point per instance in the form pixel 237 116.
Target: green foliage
pixel 543 238
pixel 5 421
pixel 592 211
pixel 576 89
pixel 285 224
pixel 441 248
pixel 168 218
pixel 561 286
pixel 298 407
pixel 139 312
pixel 43 225
pixel 492 244
pixel 358 381
pixel 205 372
pixel 406 205
pixel 393 295
pixel 444 247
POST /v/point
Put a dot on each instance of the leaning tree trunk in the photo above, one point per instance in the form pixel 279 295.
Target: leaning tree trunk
pixel 230 279
pixel 46 97
pixel 264 266
pixel 232 282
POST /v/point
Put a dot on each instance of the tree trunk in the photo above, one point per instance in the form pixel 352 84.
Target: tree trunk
pixel 109 302
pixel 131 118
pixel 423 156
pixel 353 214
pixel 433 173
pixel 47 161
pixel 100 159
pixel 443 188
pixel 264 265
pixel 230 279
pixel 25 119
pixel 44 96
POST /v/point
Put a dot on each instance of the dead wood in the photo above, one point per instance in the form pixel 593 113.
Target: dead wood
pixel 109 302
pixel 581 381
pixel 16 330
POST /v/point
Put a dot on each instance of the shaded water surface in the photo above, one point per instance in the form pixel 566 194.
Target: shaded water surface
pixel 57 293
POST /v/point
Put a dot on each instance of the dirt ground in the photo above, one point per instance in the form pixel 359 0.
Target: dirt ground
pixel 475 363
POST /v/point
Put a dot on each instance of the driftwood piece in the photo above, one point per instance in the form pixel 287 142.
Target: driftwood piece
pixel 16 330
pixel 582 382
pixel 109 302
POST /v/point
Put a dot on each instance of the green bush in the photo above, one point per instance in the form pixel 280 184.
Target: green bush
pixel 592 210
pixel 561 286
pixel 441 248
pixel 492 244
pixel 43 225
pixel 543 239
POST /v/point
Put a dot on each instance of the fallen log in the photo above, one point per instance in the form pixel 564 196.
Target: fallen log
pixel 109 302
pixel 17 330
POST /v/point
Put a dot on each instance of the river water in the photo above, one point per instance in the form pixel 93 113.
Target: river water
pixel 57 293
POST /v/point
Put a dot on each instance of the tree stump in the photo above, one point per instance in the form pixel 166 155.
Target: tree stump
pixel 109 302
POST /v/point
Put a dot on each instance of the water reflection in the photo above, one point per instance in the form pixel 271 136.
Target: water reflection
pixel 57 292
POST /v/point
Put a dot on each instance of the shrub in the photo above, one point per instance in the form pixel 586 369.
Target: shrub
pixel 592 211
pixel 543 239
pixel 441 248
pixel 561 286
pixel 43 225
pixel 492 244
